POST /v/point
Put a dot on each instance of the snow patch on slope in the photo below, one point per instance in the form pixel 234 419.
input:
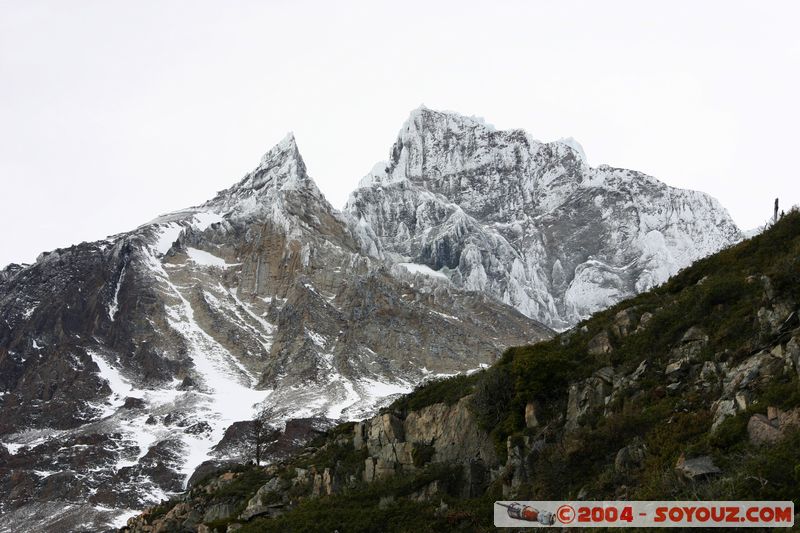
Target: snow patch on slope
pixel 228 395
pixel 114 306
pixel 203 258
pixel 120 387
pixel 203 219
pixel 425 270
pixel 166 236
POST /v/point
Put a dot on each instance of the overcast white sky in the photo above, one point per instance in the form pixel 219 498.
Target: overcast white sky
pixel 114 112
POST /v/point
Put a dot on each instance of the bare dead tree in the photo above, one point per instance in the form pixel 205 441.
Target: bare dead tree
pixel 775 214
pixel 258 436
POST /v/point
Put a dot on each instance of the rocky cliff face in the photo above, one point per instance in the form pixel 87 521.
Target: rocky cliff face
pixel 407 459
pixel 689 390
pixel 125 363
pixel 531 223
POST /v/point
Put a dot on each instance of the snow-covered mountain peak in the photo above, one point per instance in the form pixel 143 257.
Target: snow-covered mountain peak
pixel 432 145
pixel 285 149
pixel 443 119
pixel 427 124
pixel 531 223
pixel 282 167
pixel 279 171
pixel 428 132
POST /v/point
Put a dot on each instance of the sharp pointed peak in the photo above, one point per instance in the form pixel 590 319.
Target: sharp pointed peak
pixel 288 140
pixel 281 168
pixel 286 147
pixel 421 109
pixel 283 161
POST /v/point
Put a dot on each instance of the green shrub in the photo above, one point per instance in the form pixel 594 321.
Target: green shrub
pixel 771 472
pixel 782 391
pixel 242 486
pixel 358 509
pixel 493 394
pixel 422 454
pixel 730 433
pixel 270 497
pixel 448 391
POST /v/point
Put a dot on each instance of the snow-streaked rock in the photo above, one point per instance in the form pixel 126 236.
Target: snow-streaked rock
pixel 531 223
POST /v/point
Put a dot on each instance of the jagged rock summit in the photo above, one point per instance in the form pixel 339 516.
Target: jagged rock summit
pixel 281 169
pixel 531 223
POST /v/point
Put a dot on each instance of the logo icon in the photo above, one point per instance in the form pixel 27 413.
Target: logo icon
pixel 517 511
pixel 565 514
